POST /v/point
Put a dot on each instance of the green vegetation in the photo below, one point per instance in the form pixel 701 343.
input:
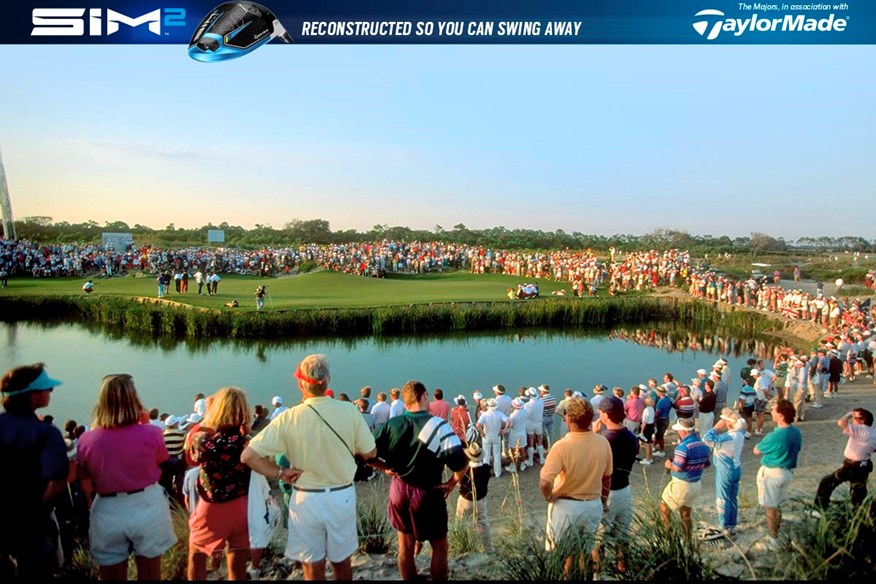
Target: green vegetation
pixel 333 304
pixel 372 520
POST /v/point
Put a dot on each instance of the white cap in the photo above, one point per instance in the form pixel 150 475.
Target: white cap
pixel 277 400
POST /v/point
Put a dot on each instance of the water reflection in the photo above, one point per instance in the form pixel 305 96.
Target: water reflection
pixel 169 373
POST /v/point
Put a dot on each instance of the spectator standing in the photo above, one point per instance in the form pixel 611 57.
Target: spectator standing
pixel 416 447
pixel 380 410
pixel 473 494
pixel 857 466
pixel 120 462
pixel 439 407
pixel 220 520
pixel 322 437
pixel 727 440
pixel 576 477
pixel 779 450
pixel 34 454
pixel 690 459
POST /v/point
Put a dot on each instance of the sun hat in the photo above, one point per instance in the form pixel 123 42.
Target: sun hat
pixel 643 387
pixel 491 403
pixel 41 383
pixel 577 394
pixel 755 372
pixel 474 452
pixel 683 425
pixel 731 417
pixel 194 418
pixel 460 400
pixel 702 372
pixel 477 396
pixel 599 388
pixel 660 389
pixel 277 400
pixel 531 392
pixel 516 403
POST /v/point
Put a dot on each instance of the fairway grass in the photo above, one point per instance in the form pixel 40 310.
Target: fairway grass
pixel 323 289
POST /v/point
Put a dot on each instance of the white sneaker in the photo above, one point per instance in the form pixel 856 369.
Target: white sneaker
pixel 646 462
pixel 523 466
pixel 511 468
pixel 748 434
pixel 658 453
pixel 817 406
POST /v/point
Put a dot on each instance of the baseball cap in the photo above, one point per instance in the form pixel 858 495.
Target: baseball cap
pixel 277 400
pixel 611 405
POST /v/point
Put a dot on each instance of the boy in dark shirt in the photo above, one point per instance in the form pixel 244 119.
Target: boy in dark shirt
pixel 473 493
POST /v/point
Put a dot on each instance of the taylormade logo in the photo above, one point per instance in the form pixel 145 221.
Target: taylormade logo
pixel 711 22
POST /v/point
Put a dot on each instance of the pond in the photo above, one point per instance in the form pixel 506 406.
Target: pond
pixel 168 374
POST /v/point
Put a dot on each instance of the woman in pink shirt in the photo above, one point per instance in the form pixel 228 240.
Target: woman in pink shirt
pixel 119 467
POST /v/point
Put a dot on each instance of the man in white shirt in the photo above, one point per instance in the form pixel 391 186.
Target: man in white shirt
pixel 396 406
pixel 856 468
pixel 493 424
pixel 380 410
pixel 279 408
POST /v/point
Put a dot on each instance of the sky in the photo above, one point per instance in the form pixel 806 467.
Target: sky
pixel 600 139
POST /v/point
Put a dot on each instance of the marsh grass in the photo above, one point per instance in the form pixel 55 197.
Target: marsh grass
pixel 145 319
pixel 372 522
pixel 463 536
pixel 525 558
pixel 839 545
pixel 660 552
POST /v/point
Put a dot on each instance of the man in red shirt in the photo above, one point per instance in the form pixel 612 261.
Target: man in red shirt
pixel 438 407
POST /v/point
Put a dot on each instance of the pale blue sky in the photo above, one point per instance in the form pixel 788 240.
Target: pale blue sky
pixel 724 140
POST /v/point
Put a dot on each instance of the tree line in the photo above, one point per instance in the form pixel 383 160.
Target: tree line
pixel 44 230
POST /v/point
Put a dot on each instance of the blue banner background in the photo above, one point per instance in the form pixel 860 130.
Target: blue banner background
pixel 602 21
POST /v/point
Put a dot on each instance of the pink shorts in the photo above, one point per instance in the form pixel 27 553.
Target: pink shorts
pixel 212 525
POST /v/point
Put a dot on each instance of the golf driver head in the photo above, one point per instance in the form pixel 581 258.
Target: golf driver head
pixel 234 29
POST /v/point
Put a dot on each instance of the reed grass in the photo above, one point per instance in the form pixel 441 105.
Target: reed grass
pixel 838 545
pixel 116 314
pixel 372 522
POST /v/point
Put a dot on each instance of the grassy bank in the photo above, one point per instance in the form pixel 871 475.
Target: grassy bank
pixel 124 315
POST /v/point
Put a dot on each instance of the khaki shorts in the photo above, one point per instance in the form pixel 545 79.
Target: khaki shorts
pixel 772 486
pixel 679 493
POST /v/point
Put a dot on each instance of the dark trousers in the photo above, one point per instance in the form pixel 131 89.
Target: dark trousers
pixel 855 473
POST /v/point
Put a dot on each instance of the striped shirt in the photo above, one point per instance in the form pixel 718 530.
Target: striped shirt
pixel 174 440
pixel 691 458
pixel 550 405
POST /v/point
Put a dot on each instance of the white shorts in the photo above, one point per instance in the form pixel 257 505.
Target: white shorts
pixel 140 521
pixel 566 514
pixel 322 525
pixel 772 486
pixel 534 428
pixel 679 493
pixel 517 440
